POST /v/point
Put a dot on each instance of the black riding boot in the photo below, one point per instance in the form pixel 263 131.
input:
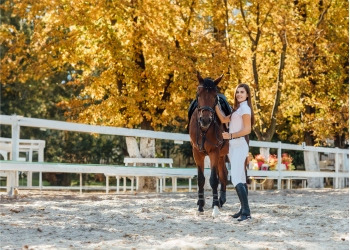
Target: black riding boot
pixel 238 214
pixel 243 197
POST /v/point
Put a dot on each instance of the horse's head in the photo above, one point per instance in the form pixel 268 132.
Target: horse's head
pixel 207 99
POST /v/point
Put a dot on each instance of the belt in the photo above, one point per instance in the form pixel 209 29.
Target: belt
pixel 237 138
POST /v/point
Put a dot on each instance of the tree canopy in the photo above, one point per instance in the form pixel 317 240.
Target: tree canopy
pixel 133 63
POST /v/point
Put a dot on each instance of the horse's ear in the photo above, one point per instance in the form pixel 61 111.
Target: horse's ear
pixel 200 79
pixel 217 80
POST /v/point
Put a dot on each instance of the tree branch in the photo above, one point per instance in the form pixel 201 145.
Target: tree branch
pixel 249 32
pixel 321 18
pixel 279 82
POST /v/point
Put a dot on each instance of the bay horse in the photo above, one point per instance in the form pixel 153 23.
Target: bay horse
pixel 205 131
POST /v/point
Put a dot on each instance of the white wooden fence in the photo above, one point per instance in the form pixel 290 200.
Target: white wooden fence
pixel 16 122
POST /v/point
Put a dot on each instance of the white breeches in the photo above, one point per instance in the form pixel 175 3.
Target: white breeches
pixel 238 153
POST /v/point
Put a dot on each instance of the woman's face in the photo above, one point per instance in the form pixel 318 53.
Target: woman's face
pixel 241 94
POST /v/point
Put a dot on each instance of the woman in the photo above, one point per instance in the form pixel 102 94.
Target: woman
pixel 241 122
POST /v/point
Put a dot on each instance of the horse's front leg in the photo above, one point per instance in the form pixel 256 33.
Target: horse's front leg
pixel 199 159
pixel 214 183
pixel 201 182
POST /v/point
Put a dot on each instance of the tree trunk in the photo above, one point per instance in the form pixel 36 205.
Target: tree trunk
pixel 312 164
pixel 308 54
pixel 342 168
pixel 147 146
pixel 132 146
pixel 148 150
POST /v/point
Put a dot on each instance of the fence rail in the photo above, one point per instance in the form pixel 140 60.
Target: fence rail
pixel 18 121
pixel 78 127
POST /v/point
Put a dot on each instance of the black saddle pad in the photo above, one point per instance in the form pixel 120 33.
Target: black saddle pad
pixel 226 108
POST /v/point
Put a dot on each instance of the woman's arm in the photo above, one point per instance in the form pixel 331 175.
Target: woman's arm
pixel 223 118
pixel 245 131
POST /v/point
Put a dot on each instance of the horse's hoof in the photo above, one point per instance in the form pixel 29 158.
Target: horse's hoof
pixel 216 212
pixel 200 210
pixel 216 203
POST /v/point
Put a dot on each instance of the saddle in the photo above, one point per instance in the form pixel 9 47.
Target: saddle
pixel 225 107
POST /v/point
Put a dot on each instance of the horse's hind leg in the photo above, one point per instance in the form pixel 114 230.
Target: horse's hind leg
pixel 223 180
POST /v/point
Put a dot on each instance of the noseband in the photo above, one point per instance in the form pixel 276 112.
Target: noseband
pixel 211 117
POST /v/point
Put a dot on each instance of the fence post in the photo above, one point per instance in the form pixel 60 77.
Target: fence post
pixel 15 129
pixel 279 157
pixel 345 167
pixel 81 183
pixel 30 174
pixel 336 163
pixel 15 134
pixel 41 159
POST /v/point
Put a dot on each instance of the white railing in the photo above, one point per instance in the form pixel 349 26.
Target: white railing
pixel 17 121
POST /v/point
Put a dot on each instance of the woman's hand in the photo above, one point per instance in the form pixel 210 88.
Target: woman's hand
pixel 222 117
pixel 226 135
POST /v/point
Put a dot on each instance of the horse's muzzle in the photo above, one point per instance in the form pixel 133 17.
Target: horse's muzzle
pixel 205 121
pixel 206 116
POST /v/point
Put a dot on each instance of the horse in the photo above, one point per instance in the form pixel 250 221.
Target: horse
pixel 205 130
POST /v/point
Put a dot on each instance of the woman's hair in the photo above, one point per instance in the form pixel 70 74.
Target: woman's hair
pixel 249 100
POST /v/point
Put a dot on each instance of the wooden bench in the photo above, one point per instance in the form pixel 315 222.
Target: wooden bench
pixel 288 180
pixel 9 169
pixel 133 162
pixel 154 161
pixel 160 184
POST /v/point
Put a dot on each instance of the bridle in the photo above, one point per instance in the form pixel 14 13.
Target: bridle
pixel 202 130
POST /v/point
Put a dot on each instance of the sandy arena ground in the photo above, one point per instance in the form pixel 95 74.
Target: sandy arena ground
pixel 286 219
